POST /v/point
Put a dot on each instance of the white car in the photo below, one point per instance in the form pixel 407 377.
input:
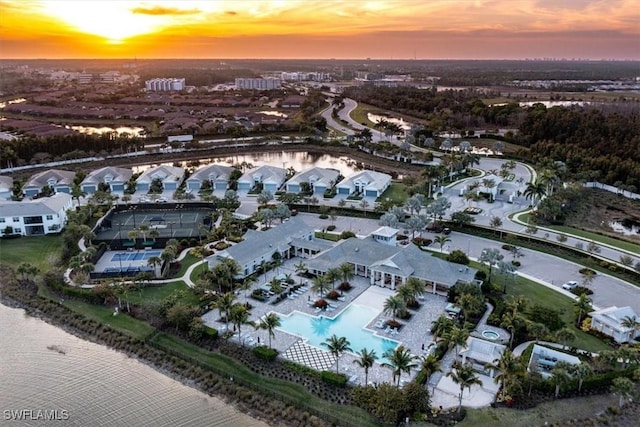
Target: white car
pixel 570 285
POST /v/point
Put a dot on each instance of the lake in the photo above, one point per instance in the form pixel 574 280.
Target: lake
pixel 299 160
pixel 47 369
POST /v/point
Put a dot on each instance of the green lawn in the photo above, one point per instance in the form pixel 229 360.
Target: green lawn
pixel 41 251
pixel 359 114
pixel 284 390
pixel 158 293
pixel 122 322
pixel 327 236
pixel 616 243
pixel 186 263
pixel 396 193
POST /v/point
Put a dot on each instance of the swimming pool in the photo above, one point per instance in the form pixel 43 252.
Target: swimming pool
pixel 135 256
pixel 350 324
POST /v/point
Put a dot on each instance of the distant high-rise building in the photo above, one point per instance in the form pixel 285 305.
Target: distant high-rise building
pixel 258 84
pixel 164 85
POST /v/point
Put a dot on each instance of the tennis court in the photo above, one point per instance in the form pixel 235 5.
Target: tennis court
pixel 137 227
pixel 134 256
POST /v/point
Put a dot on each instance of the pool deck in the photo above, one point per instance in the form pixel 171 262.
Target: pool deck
pixel 413 335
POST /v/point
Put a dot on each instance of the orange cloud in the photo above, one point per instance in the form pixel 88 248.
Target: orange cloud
pixel 337 28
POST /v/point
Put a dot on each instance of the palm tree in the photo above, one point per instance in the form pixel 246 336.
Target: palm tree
pixel 320 285
pixel 247 284
pixel 27 269
pixel 583 306
pixel 581 371
pixel 535 191
pixel 511 321
pixel 269 323
pixel 332 275
pixel 416 285
pixel 400 360
pixel 394 305
pixel 239 315
pixel 346 272
pixel 154 261
pixel 465 377
pixel 537 330
pixel 442 240
pixel 632 323
pixel 624 388
pixel 300 267
pixel 455 338
pixel 366 361
pixel 560 375
pixel 565 336
pixel 508 368
pixel 430 365
pixel 441 326
pixel 224 304
pixel 337 346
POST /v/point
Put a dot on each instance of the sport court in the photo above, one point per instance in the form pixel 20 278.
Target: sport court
pixel 127 263
pixel 152 224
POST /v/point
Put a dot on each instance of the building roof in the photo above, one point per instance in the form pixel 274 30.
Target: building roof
pixel 612 316
pixel 259 243
pixel 99 175
pixel 315 175
pixel 163 172
pixel 43 206
pixel 265 174
pixel 403 261
pixel 211 173
pixel 482 350
pixel 385 231
pixel 60 177
pixel 373 180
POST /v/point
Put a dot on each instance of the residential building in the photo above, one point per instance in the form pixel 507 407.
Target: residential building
pixel 609 322
pixel 291 238
pixel 480 353
pixel 6 187
pixel 164 85
pixel 46 215
pixel 60 180
pixel 115 178
pixel 170 176
pixel 258 83
pixel 390 266
pixel 366 183
pixel 319 179
pixel 217 175
pixel 271 178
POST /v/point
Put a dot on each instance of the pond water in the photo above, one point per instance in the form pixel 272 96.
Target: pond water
pixel 299 160
pixel 45 368
pixel 400 122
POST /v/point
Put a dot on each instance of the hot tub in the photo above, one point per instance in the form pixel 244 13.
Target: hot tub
pixel 490 335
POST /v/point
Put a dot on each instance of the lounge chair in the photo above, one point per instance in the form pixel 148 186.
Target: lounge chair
pixel 318 309
pixel 292 296
pixel 342 299
pixel 387 329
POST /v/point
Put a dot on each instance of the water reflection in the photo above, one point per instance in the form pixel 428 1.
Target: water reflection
pixel 131 130
pixel 45 368
pixel 627 226
pixel 298 160
pixel 375 118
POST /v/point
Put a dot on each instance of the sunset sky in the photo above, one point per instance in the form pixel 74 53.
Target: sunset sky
pixel 381 29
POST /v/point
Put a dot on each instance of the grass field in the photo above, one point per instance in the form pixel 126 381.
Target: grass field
pixel 539 294
pixel 616 243
pixel 396 193
pixel 41 251
pixel 121 322
pixel 158 293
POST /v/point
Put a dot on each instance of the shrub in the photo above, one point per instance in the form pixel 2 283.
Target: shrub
pixel 221 246
pixel 481 275
pixel 516 263
pixel 331 227
pixel 402 237
pixel 585 270
pixel 458 257
pixel 507 247
pixel 265 353
pixel 579 290
pixel 324 216
pixel 345 286
pixel 329 377
pixel 321 304
pixel 333 294
pixel 347 234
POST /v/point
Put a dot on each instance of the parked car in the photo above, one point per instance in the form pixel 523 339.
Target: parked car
pixel 570 285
